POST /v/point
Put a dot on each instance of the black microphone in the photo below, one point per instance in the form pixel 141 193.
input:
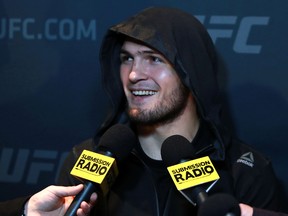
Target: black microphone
pixel 99 169
pixel 177 150
pixel 220 205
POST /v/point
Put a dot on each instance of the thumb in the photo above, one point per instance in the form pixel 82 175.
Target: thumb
pixel 64 191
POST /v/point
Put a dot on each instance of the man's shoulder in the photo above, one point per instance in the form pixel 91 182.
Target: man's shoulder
pixel 246 156
pixel 87 144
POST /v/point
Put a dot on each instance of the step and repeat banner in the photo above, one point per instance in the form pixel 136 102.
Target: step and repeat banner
pixel 51 96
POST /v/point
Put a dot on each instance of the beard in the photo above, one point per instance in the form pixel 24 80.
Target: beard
pixel 163 112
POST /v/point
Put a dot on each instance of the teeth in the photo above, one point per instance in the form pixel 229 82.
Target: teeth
pixel 143 93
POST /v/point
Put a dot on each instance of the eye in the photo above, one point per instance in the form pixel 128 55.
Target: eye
pixel 124 58
pixel 156 59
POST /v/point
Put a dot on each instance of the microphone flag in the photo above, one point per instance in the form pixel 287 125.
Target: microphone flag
pixel 193 173
pixel 97 168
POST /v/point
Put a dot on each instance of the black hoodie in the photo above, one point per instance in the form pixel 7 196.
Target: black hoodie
pixel 143 186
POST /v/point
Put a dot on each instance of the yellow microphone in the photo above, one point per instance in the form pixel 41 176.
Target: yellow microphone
pixel 189 175
pixel 99 168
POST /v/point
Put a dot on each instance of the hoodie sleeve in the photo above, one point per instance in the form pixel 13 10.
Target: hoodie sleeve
pixel 13 207
pixel 255 182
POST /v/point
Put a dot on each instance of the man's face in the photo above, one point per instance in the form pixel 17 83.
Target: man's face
pixel 152 87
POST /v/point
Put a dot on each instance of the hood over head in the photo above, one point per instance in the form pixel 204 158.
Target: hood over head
pixel 183 40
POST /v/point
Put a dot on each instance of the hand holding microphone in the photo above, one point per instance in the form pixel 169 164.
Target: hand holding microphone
pixel 54 201
pixel 99 168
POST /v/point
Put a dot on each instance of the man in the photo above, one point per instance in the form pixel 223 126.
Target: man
pixel 51 201
pixel 160 70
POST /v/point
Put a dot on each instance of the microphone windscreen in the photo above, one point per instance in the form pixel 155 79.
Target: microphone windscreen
pixel 176 148
pixel 119 140
pixel 220 205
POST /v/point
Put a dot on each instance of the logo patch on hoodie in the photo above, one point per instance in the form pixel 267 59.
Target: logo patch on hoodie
pixel 247 159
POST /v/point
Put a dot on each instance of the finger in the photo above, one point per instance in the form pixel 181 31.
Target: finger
pixel 87 207
pixel 93 199
pixel 80 212
pixel 63 191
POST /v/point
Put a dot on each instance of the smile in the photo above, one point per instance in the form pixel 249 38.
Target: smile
pixel 143 93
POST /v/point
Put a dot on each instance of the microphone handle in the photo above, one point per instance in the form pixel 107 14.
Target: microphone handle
pixel 84 195
pixel 199 194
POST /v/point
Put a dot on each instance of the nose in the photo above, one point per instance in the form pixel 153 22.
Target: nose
pixel 137 73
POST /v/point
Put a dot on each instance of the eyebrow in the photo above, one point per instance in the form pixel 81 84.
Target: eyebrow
pixel 123 51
